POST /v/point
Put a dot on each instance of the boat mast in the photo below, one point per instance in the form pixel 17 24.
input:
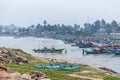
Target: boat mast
pixel 38 44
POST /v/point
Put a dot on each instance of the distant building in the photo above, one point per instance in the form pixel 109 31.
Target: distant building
pixel 101 32
pixel 115 35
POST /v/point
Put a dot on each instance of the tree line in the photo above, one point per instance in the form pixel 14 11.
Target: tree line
pixel 46 29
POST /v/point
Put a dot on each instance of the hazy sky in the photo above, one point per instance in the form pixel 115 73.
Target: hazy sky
pixel 27 12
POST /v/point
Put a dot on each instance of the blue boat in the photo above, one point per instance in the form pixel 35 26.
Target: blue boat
pixel 53 66
pixel 80 45
pixel 112 51
pixel 108 51
pixel 73 67
pixel 50 66
pixel 39 65
pixel 88 51
pixel 117 52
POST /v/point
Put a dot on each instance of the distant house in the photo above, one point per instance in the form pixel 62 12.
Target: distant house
pixel 115 35
pixel 101 32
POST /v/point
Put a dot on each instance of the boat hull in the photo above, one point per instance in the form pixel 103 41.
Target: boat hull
pixel 74 67
pixel 48 51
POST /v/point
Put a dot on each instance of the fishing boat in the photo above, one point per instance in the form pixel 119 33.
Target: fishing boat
pixel 108 51
pixel 53 66
pixel 50 66
pixel 112 51
pixel 116 52
pixel 39 65
pixel 88 51
pixel 47 50
pixel 73 67
pixel 92 51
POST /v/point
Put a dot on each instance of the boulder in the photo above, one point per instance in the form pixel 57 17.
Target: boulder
pixel 21 59
pixel 14 76
pixel 37 75
pixel 3 71
pixel 25 77
pixel 10 56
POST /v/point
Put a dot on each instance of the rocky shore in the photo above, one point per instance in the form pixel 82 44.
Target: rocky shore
pixel 9 56
pixel 17 58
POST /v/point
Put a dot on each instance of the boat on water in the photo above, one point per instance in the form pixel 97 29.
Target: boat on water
pixel 68 67
pixel 91 51
pixel 112 51
pixel 83 45
pixel 47 50
pixel 88 51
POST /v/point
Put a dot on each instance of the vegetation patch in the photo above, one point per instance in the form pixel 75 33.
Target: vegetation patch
pixel 87 72
pixel 111 78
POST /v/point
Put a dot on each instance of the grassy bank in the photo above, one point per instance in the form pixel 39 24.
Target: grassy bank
pixel 83 73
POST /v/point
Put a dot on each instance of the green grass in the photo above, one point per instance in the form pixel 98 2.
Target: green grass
pixel 56 74
pixel 87 71
pixel 111 78
pixel 22 53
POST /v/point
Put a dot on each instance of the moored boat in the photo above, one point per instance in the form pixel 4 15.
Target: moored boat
pixel 46 50
pixel 73 67
pixel 53 66
pixel 50 66
pixel 39 65
pixel 88 51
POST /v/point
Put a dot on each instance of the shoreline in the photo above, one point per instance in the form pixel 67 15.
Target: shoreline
pixel 84 72
pixel 81 61
pixel 102 68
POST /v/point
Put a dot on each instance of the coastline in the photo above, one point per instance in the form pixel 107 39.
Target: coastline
pixel 101 68
pixel 106 70
pixel 84 72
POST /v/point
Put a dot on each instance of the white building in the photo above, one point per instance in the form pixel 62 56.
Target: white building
pixel 115 35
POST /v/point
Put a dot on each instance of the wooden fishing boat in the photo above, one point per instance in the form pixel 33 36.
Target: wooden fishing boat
pixel 88 51
pixel 108 51
pixel 46 50
pixel 115 51
pixel 73 67
pixel 39 65
pixel 50 66
pixel 92 51
pixel 112 51
pixel 53 66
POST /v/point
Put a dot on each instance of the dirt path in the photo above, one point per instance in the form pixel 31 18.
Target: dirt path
pixel 77 76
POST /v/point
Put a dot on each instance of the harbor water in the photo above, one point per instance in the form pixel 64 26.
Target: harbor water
pixel 74 54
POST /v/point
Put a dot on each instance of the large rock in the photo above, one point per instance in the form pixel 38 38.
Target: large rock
pixel 14 76
pixel 10 56
pixel 37 75
pixel 21 59
pixel 3 70
pixel 25 77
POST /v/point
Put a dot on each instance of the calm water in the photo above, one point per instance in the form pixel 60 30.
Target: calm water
pixel 74 54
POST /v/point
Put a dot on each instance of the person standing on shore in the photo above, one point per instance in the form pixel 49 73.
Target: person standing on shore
pixel 65 51
pixel 83 52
